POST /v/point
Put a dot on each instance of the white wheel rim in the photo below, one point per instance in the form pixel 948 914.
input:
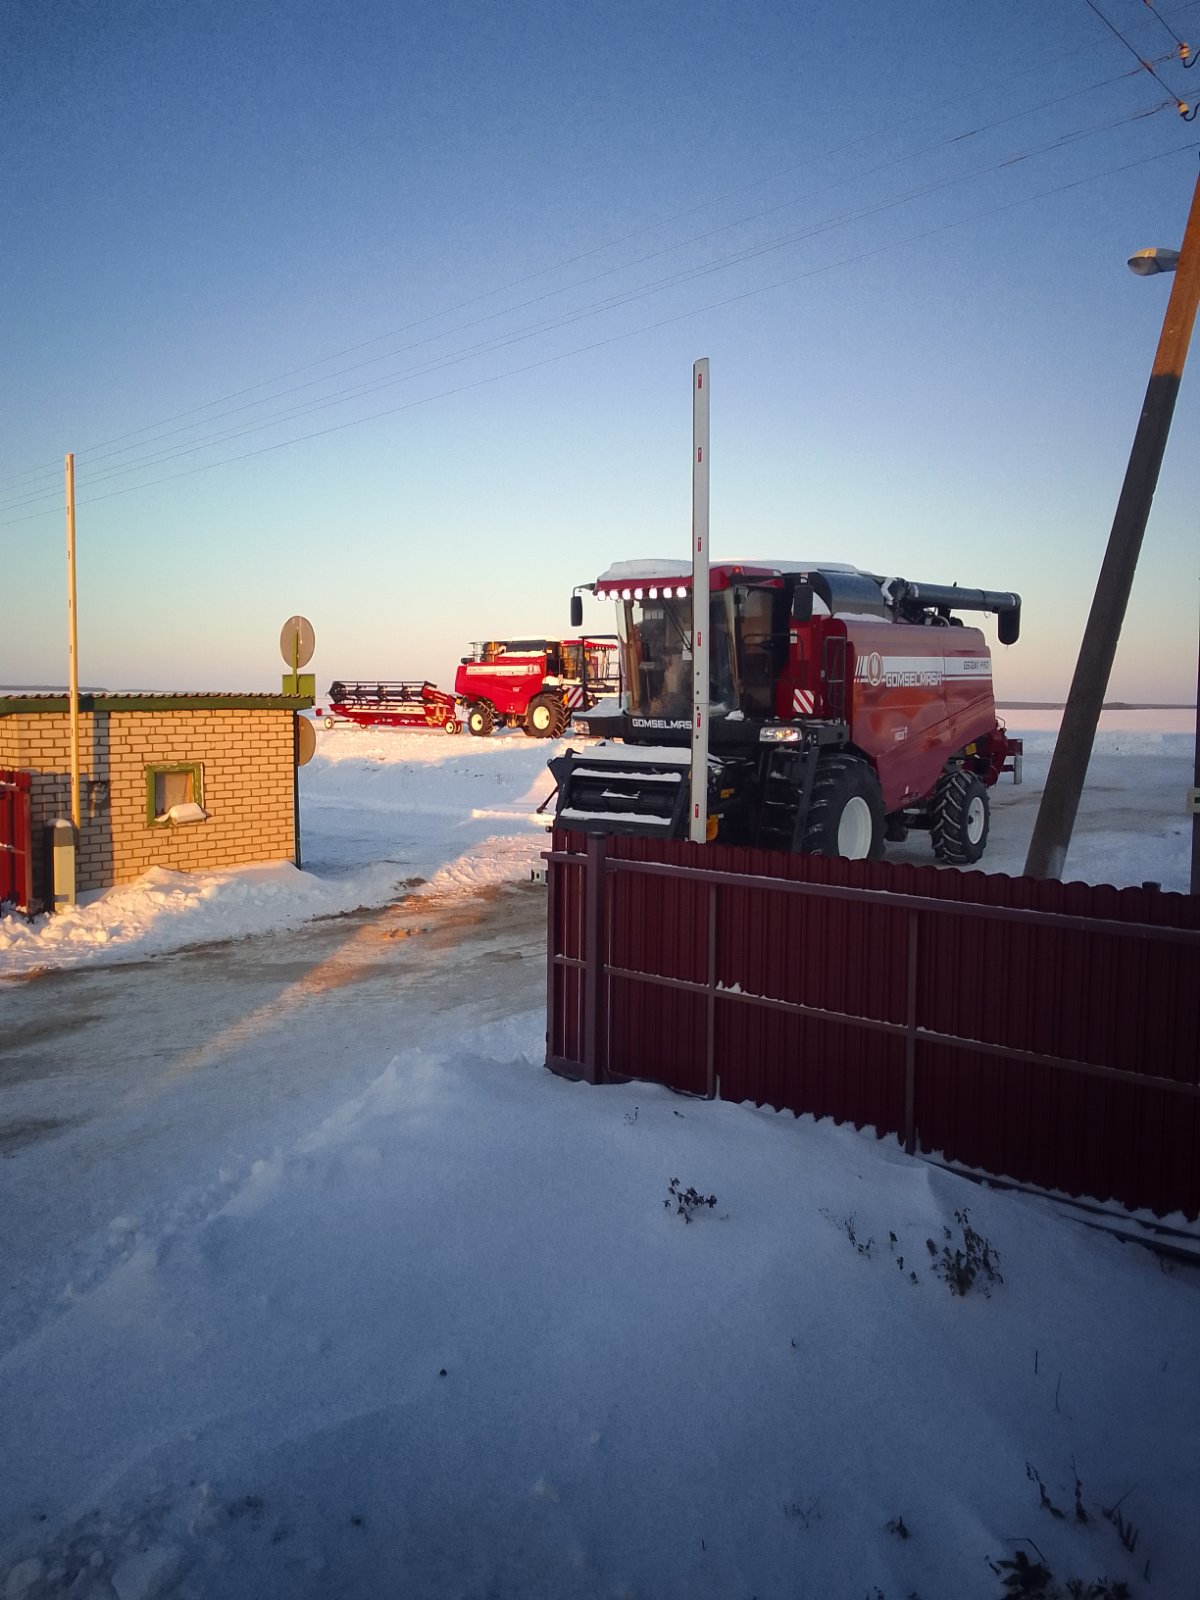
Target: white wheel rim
pixel 541 717
pixel 976 817
pixel 855 830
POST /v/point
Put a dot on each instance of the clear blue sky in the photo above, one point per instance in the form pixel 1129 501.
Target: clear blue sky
pixel 419 286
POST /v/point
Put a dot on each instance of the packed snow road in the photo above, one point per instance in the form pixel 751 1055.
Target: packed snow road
pixel 120 1086
pixel 161 1039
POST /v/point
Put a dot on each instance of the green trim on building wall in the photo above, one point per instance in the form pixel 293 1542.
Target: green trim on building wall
pixel 55 704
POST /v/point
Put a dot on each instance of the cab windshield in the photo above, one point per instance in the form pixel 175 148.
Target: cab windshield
pixel 656 656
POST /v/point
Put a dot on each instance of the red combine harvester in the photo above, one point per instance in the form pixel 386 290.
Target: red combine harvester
pixel 845 709
pixel 534 684
pixel 391 704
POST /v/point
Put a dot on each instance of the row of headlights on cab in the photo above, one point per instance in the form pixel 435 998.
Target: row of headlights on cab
pixel 652 593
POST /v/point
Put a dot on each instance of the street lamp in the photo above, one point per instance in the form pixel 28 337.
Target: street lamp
pixel 1146 263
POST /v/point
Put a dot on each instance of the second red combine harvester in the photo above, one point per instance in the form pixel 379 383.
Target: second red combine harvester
pixel 845 709
pixel 534 684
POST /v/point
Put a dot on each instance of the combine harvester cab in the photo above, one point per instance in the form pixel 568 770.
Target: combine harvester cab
pixel 845 709
pixel 537 685
pixel 391 704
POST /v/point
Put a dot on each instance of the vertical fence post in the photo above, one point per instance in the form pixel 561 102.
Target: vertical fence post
pixel 910 1040
pixel 593 953
pixel 710 1019
pixel 553 1028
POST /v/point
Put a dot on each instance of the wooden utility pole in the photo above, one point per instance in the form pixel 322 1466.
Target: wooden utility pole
pixel 1072 752
pixel 73 646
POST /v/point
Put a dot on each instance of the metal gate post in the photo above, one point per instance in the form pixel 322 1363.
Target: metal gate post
pixel 553 1030
pixel 710 1020
pixel 910 1040
pixel 594 1067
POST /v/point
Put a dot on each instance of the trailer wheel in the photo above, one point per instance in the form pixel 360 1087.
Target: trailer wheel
pixel 959 817
pixel 845 813
pixel 546 718
pixel 329 722
pixel 452 725
pixel 481 719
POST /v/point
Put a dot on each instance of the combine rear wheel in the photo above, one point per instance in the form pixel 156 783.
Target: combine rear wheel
pixel 481 719
pixel 959 818
pixel 845 813
pixel 546 718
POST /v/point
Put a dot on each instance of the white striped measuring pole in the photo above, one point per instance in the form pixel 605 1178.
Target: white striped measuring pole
pixel 698 821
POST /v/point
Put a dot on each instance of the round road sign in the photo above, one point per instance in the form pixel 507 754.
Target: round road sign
pixel 297 641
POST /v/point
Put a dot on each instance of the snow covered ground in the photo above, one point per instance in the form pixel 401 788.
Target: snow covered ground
pixel 317 1284
pixel 384 810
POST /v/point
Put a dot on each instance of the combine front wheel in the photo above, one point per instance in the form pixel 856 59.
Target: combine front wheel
pixel 481 719
pixel 959 818
pixel 845 814
pixel 546 718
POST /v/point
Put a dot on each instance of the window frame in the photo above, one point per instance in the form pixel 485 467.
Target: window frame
pixel 155 770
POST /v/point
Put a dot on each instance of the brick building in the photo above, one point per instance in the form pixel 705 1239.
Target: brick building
pixel 189 781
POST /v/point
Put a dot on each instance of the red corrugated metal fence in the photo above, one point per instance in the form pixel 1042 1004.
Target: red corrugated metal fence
pixel 1046 1032
pixel 16 840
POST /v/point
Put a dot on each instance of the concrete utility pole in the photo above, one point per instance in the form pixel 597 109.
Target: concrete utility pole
pixel 1068 769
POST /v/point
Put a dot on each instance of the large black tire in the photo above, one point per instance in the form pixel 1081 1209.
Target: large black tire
pixel 481 719
pixel 959 818
pixel 546 717
pixel 845 813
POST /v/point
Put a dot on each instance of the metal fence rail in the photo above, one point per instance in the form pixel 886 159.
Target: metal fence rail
pixel 1046 1032
pixel 16 840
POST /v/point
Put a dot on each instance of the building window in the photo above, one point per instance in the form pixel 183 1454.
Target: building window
pixel 175 794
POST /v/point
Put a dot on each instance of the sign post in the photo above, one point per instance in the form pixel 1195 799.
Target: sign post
pixel 297 641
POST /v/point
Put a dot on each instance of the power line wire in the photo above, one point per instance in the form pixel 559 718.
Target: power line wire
pixel 1185 51
pixel 55 466
pixel 625 334
pixel 947 142
pixel 579 313
pixel 32 494
pixel 1180 105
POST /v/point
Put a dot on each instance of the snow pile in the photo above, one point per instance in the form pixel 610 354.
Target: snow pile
pixel 386 812
pixel 454 1342
pixel 383 814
